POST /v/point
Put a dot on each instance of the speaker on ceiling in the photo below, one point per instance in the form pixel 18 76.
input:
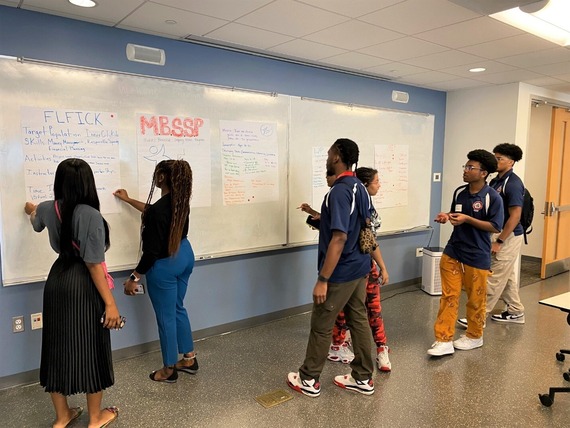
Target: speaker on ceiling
pixel 145 54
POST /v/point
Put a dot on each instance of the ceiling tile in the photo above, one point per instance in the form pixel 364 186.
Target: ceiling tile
pixel 353 35
pixel 152 16
pixel 367 36
pixel 507 76
pixel 565 77
pixel 548 56
pixel 509 46
pixel 545 81
pixel 352 8
pixel 553 69
pixel 491 67
pixel 222 9
pixel 472 32
pixel 454 84
pixel 355 60
pixel 443 60
pixel 428 77
pixel 291 18
pixel 108 11
pixel 416 16
pixel 395 69
pixel 299 48
pixel 560 88
pixel 404 48
pixel 247 36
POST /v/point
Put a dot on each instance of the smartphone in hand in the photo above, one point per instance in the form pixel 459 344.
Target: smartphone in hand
pixel 121 325
pixel 139 289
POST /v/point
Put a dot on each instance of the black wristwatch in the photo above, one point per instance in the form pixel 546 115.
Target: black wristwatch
pixel 134 278
pixel 500 241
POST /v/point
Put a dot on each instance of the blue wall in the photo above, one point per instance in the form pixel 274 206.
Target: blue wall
pixel 229 289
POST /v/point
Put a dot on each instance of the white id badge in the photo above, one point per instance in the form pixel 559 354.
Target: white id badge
pixel 458 208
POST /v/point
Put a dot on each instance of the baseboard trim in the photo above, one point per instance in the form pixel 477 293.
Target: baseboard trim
pixel 31 377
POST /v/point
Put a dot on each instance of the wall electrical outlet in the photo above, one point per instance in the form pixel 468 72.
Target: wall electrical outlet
pixel 37 321
pixel 18 324
pixel 419 252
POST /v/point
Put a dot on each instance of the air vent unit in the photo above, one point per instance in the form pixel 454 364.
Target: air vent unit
pixel 145 54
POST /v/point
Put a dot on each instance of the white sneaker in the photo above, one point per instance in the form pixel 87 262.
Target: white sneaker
pixel 311 388
pixel 439 349
pixel 462 322
pixel 365 387
pixel 466 343
pixel 341 353
pixel 383 360
pixel 506 317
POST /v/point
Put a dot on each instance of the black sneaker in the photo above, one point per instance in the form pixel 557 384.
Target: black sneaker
pixel 506 317
pixel 462 322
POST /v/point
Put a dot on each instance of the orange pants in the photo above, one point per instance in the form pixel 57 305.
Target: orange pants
pixel 455 276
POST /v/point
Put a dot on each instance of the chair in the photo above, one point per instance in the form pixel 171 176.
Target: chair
pixel 561 302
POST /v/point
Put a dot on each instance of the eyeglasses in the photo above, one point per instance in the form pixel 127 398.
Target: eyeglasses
pixel 471 168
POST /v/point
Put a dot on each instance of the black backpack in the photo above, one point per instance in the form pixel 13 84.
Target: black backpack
pixel 527 214
pixel 527 211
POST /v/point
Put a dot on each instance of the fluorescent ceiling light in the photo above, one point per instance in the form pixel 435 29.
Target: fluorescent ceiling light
pixel 477 69
pixel 551 22
pixel 83 3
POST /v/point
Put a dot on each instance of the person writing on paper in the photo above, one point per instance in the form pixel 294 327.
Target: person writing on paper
pixel 167 261
pixel 378 276
pixel 314 218
pixel 78 307
pixel 476 212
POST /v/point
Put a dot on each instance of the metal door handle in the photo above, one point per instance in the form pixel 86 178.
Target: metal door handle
pixel 550 208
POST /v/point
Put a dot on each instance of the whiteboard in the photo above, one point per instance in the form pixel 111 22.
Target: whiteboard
pixel 398 144
pixel 247 137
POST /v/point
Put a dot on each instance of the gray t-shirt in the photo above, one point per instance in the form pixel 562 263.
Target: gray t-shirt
pixel 87 227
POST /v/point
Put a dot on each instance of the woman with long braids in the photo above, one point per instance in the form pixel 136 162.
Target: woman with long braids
pixel 167 261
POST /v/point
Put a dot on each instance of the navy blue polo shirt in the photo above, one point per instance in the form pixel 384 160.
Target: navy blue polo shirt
pixel 339 211
pixel 468 244
pixel 512 194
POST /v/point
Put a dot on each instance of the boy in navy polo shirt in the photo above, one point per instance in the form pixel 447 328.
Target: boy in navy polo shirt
pixel 506 246
pixel 341 281
pixel 476 212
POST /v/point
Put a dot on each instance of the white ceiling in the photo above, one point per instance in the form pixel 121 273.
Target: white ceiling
pixel 427 43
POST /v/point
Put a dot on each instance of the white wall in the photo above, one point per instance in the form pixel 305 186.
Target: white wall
pixel 477 118
pixel 484 117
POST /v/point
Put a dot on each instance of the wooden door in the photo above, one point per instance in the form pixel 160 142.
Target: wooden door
pixel 556 244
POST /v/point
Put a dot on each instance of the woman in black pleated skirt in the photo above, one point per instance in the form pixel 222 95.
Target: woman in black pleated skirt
pixel 78 308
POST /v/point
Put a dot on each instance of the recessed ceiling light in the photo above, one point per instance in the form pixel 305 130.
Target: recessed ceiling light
pixel 171 21
pixel 83 3
pixel 477 69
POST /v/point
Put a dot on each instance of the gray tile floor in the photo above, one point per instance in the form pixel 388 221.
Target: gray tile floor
pixel 494 386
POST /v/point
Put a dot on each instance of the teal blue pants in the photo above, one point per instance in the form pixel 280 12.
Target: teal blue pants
pixel 167 282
